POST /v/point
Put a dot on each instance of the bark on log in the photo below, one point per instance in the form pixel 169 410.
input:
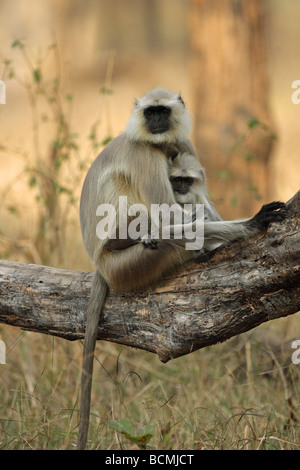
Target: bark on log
pixel 244 284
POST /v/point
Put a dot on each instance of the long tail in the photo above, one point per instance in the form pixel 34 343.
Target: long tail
pixel 97 299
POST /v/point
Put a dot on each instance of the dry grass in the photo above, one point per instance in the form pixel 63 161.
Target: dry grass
pixel 243 394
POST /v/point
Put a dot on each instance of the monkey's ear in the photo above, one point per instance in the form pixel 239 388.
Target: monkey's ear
pixel 181 100
pixel 202 174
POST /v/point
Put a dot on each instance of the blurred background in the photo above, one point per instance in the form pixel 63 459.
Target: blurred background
pixel 72 70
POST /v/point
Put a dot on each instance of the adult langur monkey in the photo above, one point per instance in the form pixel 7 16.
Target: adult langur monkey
pixel 135 165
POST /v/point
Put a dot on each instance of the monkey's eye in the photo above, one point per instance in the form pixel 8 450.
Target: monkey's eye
pixel 148 113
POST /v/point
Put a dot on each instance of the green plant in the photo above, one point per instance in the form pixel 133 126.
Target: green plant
pixel 55 167
pixel 139 435
pixel 239 149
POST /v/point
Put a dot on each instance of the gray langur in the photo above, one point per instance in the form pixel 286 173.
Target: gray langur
pixel 188 182
pixel 135 165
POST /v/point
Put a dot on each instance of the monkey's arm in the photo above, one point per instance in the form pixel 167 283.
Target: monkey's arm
pixel 216 232
pixel 227 231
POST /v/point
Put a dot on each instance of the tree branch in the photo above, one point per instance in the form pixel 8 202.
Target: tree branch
pixel 244 284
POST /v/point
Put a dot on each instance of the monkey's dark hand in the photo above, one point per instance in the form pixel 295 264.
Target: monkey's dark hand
pixel 148 242
pixel 204 255
pixel 273 212
pixel 170 150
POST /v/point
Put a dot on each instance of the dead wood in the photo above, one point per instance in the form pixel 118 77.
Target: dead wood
pixel 243 285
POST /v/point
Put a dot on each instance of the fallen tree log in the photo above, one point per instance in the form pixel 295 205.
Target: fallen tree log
pixel 243 285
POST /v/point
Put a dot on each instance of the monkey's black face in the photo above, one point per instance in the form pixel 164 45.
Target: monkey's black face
pixel 157 119
pixel 181 184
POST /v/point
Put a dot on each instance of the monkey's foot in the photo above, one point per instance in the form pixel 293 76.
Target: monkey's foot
pixel 272 212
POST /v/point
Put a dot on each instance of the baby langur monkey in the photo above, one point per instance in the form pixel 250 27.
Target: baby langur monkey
pixel 135 165
pixel 188 182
